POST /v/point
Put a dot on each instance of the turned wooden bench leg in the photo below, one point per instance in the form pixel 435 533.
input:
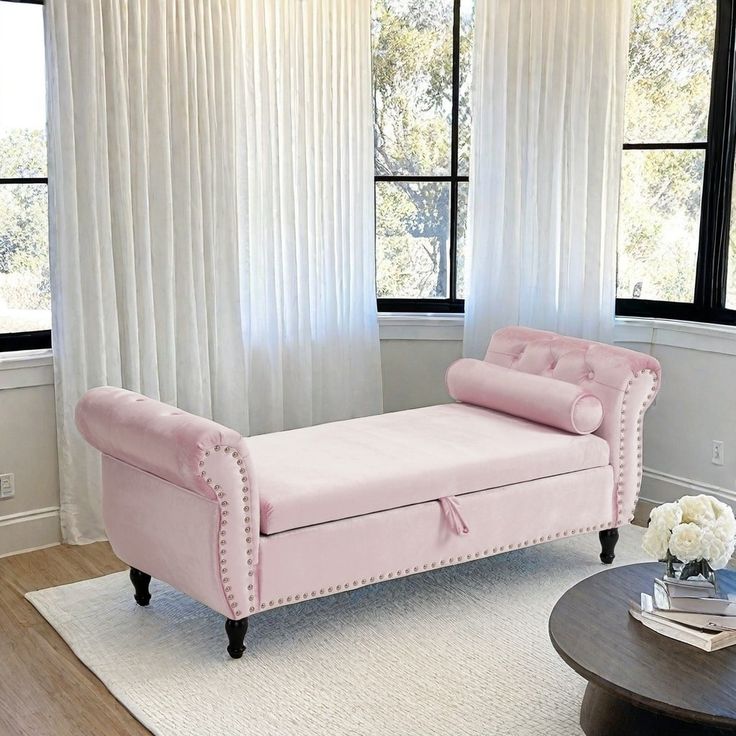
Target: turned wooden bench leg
pixel 236 630
pixel 608 538
pixel 140 582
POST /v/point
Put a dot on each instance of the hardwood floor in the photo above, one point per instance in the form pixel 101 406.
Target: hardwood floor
pixel 44 689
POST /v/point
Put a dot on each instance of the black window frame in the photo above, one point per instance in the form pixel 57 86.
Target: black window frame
pixel 711 277
pixel 37 339
pixel 451 303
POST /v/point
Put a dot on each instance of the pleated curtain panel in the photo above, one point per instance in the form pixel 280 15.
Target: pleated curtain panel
pixel 211 204
pixel 549 78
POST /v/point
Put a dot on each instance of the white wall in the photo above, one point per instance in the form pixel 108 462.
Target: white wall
pixel 416 350
pixel 414 372
pixel 696 405
pixel 28 450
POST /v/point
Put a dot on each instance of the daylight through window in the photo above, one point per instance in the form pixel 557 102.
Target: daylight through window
pixel 25 302
pixel 677 241
pixel 678 160
pixel 421 89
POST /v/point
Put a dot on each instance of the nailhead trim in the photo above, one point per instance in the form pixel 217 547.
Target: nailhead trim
pixel 639 443
pixel 486 552
pixel 390 574
pixel 224 534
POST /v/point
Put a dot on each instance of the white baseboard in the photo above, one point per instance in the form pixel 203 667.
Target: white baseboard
pixel 660 487
pixel 26 531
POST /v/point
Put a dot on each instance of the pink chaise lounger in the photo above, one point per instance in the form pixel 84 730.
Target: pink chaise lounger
pixel 246 525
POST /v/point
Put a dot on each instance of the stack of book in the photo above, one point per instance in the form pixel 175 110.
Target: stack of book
pixel 689 611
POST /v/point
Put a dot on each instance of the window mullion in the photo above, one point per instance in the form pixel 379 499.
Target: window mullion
pixel 454 149
pixel 712 267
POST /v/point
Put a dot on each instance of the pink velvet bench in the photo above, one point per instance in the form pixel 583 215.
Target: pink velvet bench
pixel 246 525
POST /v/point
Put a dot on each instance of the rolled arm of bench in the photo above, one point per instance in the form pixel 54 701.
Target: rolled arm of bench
pixel 179 499
pixel 625 381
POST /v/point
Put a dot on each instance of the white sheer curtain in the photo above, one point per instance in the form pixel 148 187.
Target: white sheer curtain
pixel 308 149
pixel 211 215
pixel 548 92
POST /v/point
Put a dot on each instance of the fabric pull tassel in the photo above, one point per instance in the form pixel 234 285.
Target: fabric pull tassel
pixel 451 509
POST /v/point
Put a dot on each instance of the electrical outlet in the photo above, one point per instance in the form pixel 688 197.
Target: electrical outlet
pixel 717 456
pixel 7 485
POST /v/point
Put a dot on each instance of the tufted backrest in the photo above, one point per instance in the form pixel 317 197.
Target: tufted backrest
pixel 625 381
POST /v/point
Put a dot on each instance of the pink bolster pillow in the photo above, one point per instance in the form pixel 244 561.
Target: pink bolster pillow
pixel 529 396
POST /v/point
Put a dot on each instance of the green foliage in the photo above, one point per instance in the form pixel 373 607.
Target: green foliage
pixel 24 266
pixel 670 60
pixel 412 86
pixel 410 253
pixel 412 90
pixel 22 153
pixel 667 100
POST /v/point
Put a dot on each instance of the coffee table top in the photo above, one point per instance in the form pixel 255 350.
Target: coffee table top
pixel 591 629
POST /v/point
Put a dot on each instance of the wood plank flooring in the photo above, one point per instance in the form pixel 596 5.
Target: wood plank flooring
pixel 44 689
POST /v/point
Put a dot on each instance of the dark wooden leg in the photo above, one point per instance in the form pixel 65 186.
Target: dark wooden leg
pixel 140 582
pixel 236 630
pixel 608 538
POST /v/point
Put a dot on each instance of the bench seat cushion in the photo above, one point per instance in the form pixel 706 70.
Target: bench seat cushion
pixel 360 466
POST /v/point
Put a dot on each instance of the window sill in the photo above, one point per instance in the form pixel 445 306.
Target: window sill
pixel 709 338
pixel 635 330
pixel 35 367
pixel 420 326
pixel 25 368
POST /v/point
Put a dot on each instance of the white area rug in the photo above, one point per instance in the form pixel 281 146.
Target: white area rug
pixel 462 650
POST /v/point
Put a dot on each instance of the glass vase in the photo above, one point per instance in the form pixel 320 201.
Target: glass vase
pixel 678 570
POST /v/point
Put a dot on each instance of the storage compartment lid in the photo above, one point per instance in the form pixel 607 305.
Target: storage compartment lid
pixel 361 466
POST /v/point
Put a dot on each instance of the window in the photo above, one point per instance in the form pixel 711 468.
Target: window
pixel 677 239
pixel 25 311
pixel 675 225
pixel 421 89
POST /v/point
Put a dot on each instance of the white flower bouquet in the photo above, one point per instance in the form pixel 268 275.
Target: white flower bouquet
pixel 697 531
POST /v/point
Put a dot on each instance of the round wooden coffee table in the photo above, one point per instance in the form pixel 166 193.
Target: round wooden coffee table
pixel 640 682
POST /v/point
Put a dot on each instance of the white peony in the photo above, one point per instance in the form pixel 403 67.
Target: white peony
pixel 656 541
pixel 668 515
pixel 693 528
pixel 720 508
pixel 686 542
pixel 725 524
pixel 697 509
pixel 716 549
